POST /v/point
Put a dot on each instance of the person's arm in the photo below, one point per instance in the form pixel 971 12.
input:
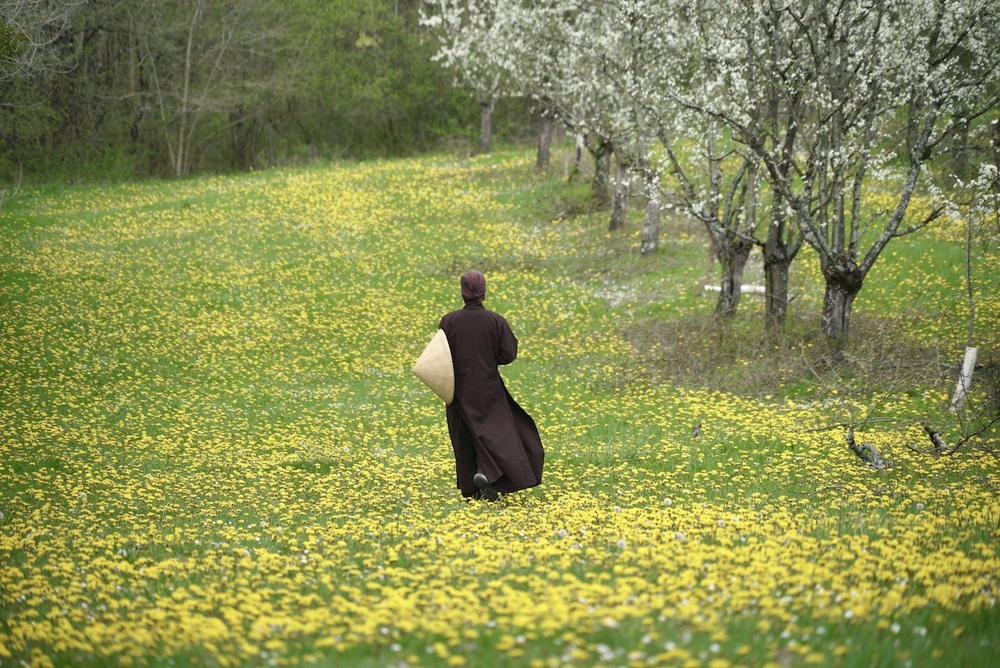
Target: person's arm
pixel 507 350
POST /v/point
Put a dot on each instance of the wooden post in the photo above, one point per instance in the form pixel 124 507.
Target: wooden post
pixel 964 380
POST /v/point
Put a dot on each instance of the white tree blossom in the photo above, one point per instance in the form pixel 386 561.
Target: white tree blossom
pixel 471 46
pixel 802 105
pixel 861 85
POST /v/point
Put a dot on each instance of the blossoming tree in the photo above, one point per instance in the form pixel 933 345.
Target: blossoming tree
pixel 803 106
pixel 470 35
pixel 858 87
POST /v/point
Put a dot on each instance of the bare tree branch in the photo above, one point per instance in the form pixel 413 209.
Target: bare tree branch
pixel 29 33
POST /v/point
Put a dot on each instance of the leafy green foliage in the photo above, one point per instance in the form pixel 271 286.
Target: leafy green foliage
pixel 11 45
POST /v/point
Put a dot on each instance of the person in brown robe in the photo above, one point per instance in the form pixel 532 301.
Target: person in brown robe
pixel 497 445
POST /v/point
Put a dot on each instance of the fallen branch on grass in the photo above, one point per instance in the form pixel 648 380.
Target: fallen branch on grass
pixel 867 452
pixel 941 446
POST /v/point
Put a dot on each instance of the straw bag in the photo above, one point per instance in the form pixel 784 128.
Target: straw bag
pixel 434 367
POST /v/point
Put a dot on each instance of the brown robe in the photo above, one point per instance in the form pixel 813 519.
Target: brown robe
pixel 487 427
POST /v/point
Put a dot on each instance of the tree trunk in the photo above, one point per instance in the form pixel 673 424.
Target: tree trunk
pixel 775 291
pixel 734 240
pixel 619 205
pixel 843 282
pixel 133 82
pixel 574 172
pixel 778 256
pixel 651 222
pixel 602 173
pixel 734 251
pixel 486 105
pixel 182 159
pixel 545 133
pixel 713 252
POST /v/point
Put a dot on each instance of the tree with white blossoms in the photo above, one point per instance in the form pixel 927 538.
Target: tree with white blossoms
pixel 641 51
pixel 715 178
pixel 835 106
pixel 863 85
pixel 537 46
pixel 607 84
pixel 629 34
pixel 734 235
pixel 470 36
pixel 603 68
pixel 607 44
pixel 568 81
pixel 575 58
pixel 558 53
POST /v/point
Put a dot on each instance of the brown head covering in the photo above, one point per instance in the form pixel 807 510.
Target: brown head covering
pixel 473 286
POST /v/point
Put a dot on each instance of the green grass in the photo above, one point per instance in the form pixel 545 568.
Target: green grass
pixel 212 450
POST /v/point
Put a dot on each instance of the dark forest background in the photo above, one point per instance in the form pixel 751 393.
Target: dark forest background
pixel 112 89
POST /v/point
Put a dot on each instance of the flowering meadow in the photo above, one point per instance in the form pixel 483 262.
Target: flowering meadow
pixel 213 451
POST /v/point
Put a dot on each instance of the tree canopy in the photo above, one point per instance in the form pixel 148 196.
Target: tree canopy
pixel 784 113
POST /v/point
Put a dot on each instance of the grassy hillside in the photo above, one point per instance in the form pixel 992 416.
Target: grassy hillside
pixel 212 450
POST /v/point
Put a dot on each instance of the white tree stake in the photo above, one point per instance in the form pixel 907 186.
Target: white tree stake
pixel 964 380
